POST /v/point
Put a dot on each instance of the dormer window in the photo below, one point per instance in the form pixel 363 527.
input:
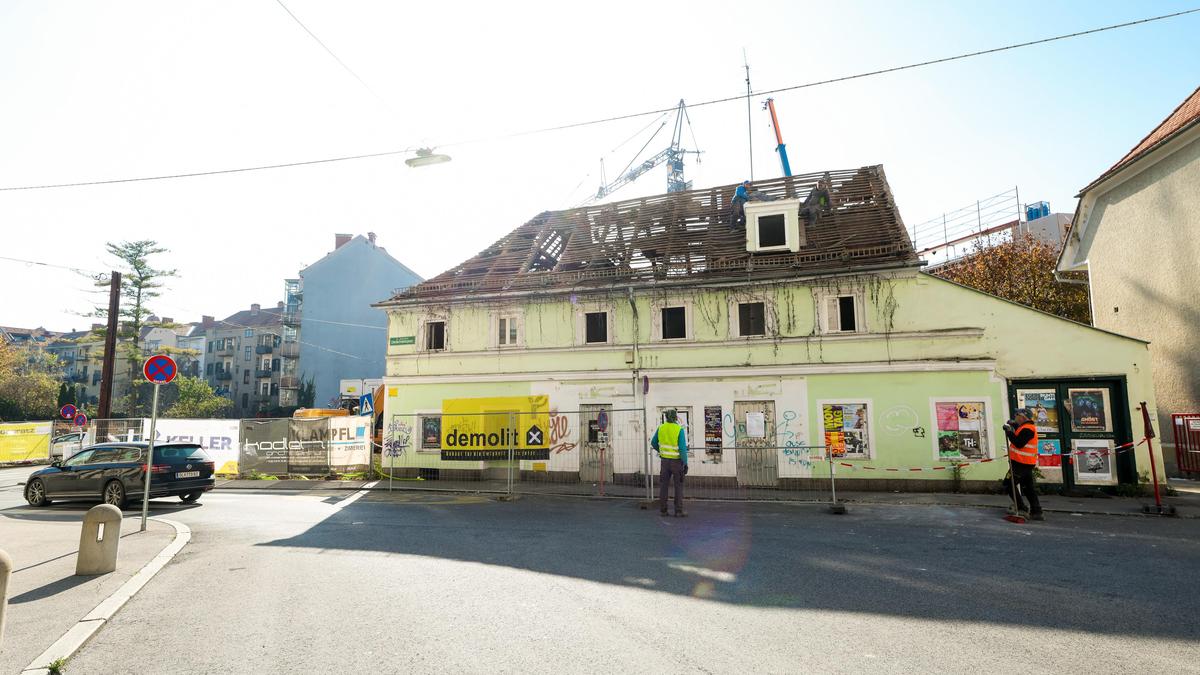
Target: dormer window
pixel 773 226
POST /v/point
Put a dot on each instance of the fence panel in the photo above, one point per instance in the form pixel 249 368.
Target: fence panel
pixel 1186 427
pixel 594 451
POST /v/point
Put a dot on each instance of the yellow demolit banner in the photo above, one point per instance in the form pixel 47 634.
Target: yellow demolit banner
pixel 486 428
pixel 25 441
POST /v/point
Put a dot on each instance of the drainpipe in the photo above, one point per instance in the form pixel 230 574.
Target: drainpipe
pixel 637 368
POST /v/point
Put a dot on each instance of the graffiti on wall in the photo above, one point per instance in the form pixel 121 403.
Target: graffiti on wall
pixel 399 436
pixel 560 430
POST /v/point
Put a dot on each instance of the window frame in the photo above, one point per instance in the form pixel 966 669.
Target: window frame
pixel 735 319
pixel 508 316
pixel 656 320
pixel 819 424
pixel 860 319
pixel 422 331
pixel 581 313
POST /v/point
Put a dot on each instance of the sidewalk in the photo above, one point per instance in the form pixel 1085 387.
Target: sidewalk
pixel 45 598
pixel 1187 501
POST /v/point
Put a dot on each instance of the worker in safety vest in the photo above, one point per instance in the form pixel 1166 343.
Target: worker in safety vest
pixel 670 441
pixel 740 196
pixel 1022 458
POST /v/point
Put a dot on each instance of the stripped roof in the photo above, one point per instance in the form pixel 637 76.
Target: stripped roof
pixel 1184 116
pixel 682 235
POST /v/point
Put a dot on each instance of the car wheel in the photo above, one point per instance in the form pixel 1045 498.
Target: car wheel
pixel 114 493
pixel 191 497
pixel 35 493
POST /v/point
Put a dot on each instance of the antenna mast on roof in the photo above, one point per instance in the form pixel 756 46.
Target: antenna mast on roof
pixel 672 156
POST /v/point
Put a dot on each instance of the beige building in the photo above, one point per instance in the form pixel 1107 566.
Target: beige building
pixel 243 359
pixel 1136 232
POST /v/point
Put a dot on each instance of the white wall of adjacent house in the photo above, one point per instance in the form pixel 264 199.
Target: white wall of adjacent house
pixel 1145 281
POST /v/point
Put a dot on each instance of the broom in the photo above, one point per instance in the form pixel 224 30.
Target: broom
pixel 1015 517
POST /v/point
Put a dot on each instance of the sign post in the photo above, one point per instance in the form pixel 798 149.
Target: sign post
pixel 158 369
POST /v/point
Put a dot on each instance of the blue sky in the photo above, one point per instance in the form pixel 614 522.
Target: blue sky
pixel 142 88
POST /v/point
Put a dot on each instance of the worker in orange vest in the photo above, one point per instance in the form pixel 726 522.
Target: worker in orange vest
pixel 1022 458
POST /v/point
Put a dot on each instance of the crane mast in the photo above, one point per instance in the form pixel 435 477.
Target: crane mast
pixel 673 156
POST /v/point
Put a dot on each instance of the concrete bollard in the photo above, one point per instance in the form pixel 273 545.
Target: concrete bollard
pixel 6 566
pixel 98 540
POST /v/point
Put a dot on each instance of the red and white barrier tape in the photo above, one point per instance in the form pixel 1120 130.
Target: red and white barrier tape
pixel 1124 447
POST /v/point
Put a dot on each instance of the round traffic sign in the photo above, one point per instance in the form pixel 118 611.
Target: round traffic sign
pixel 80 420
pixel 160 369
pixel 67 411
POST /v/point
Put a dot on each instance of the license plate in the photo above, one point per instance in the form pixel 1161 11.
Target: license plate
pixel 188 474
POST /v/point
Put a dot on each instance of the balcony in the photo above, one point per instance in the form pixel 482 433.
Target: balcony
pixel 263 372
pixel 264 349
pixel 77 377
pixel 290 350
pixel 291 317
pixel 289 382
pixel 225 351
pixel 224 375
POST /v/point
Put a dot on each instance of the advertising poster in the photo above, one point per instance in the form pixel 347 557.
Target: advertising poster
pixel 487 428
pixel 264 446
pixel 845 426
pixel 713 429
pixel 1089 409
pixel 431 433
pixel 349 444
pixel 25 441
pixel 1050 459
pixel 1043 403
pixel 960 432
pixel 308 446
pixel 219 438
pixel 1093 461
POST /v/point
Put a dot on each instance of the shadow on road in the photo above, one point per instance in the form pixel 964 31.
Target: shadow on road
pixel 52 588
pixel 1100 575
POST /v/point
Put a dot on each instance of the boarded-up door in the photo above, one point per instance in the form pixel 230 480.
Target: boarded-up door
pixel 595 454
pixel 755 443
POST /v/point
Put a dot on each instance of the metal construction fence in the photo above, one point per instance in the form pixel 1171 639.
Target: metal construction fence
pixel 268 446
pixel 593 451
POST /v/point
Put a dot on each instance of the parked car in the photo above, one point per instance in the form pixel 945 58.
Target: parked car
pixel 66 445
pixel 112 473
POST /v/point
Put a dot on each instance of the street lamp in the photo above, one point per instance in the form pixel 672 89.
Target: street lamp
pixel 425 157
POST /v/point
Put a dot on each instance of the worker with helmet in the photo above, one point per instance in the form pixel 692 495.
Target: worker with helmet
pixel 670 441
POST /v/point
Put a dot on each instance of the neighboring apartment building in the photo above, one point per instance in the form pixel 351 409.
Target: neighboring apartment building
pixel 242 359
pixel 1136 232
pixel 813 327
pixel 330 304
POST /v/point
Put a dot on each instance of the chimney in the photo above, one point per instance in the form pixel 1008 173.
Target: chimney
pixel 279 305
pixel 97 326
pixel 371 237
pixel 207 321
pixel 340 240
pixel 167 319
pixel 254 309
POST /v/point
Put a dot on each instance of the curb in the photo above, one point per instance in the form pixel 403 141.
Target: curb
pixel 78 635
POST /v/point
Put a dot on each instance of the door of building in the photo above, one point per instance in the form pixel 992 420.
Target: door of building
pixel 595 450
pixel 755 444
pixel 1081 424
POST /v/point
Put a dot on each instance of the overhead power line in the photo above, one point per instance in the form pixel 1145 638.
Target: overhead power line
pixel 329 51
pixel 615 118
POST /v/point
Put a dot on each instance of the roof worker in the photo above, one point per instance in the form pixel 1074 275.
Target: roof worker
pixel 670 441
pixel 1022 458
pixel 740 196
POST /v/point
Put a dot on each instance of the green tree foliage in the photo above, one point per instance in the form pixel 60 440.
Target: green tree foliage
pixel 29 383
pixel 140 283
pixel 195 399
pixel 1020 270
pixel 307 395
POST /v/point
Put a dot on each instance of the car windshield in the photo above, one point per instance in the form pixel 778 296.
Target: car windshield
pixel 181 452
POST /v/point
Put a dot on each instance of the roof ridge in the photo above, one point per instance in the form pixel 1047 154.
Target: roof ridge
pixel 1138 150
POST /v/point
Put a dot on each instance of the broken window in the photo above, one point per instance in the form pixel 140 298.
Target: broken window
pixel 772 230
pixel 674 323
pixel 752 319
pixel 435 335
pixel 596 327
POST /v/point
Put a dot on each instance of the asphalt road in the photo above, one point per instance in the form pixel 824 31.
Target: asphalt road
pixel 339 582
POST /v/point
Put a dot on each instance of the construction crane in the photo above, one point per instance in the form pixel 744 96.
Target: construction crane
pixel 673 156
pixel 780 148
